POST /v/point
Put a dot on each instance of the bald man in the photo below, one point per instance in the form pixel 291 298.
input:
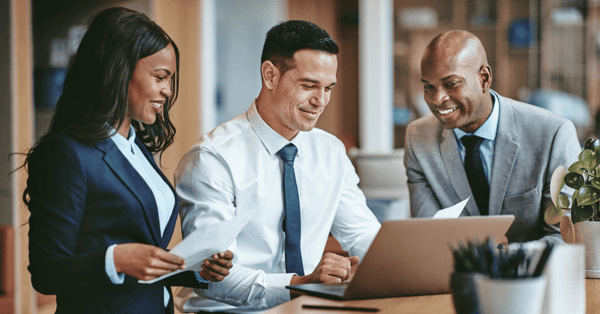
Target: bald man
pixel 478 144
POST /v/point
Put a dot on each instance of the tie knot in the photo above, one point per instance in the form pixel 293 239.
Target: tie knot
pixel 288 152
pixel 471 142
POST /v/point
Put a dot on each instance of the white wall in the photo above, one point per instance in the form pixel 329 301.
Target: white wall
pixel 241 29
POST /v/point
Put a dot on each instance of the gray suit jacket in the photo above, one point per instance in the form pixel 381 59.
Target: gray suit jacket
pixel 530 143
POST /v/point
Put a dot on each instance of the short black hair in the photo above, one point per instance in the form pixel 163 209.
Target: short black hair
pixel 285 38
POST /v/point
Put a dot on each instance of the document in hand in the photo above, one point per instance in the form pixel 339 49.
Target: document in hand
pixel 452 211
pixel 203 243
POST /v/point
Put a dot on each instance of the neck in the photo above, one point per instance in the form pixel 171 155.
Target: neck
pixel 264 104
pixel 124 128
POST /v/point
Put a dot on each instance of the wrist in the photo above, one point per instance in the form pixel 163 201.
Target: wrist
pixel 298 280
pixel 116 258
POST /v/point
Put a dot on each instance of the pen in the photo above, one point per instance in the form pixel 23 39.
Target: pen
pixel 339 308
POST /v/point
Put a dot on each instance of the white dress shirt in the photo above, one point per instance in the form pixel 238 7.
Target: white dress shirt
pixel 235 168
pixel 165 200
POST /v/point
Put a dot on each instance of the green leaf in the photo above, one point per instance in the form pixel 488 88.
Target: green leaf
pixel 576 167
pixel 595 182
pixel 581 213
pixel 588 195
pixel 574 180
pixel 552 216
pixel 567 231
pixel 587 158
pixel 592 144
pixel 563 201
pixel 557 182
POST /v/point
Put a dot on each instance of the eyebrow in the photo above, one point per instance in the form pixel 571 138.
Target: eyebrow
pixel 443 79
pixel 163 69
pixel 314 81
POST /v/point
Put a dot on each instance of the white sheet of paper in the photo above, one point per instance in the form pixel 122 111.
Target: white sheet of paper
pixel 203 243
pixel 452 211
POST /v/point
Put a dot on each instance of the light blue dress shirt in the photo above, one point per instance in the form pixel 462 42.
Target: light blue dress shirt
pixel 165 199
pixel 487 131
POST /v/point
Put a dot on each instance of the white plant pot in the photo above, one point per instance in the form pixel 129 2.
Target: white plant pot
pixel 588 233
pixel 511 296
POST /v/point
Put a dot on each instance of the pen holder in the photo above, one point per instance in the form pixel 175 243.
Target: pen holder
pixel 511 296
pixel 464 292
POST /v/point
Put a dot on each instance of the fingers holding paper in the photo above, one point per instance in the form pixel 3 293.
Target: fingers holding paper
pixel 216 269
pixel 145 262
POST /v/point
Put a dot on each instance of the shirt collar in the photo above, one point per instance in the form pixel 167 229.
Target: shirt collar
pixel 489 128
pixel 272 140
pixel 120 140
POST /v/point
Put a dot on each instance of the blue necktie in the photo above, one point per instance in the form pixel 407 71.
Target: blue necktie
pixel 291 222
pixel 475 173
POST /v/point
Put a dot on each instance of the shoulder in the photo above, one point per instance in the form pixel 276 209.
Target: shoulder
pixel 323 142
pixel 530 116
pixel 228 140
pixel 424 129
pixel 233 131
pixel 60 144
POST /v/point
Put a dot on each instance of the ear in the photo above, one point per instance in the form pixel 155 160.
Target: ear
pixel 270 74
pixel 485 77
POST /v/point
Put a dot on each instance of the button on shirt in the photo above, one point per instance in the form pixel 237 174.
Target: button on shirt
pixel 487 131
pixel 234 169
pixel 165 200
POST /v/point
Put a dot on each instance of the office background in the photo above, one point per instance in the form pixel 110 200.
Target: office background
pixel 545 52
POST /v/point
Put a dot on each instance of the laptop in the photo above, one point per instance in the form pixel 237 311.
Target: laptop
pixel 411 257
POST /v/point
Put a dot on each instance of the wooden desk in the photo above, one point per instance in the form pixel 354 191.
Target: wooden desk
pixel 428 304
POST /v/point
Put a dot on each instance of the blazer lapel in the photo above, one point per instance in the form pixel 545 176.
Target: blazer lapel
pixel 166 238
pixel 126 173
pixel 456 170
pixel 505 154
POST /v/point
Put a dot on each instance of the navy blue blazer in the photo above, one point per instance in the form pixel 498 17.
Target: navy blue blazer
pixel 84 198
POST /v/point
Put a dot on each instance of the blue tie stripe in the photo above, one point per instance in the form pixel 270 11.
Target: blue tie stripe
pixel 292 225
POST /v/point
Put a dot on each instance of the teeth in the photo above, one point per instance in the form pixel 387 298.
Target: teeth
pixel 446 111
pixel 309 112
pixel 156 104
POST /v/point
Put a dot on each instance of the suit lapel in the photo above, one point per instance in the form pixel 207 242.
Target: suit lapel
pixel 505 154
pixel 131 178
pixel 456 170
pixel 173 219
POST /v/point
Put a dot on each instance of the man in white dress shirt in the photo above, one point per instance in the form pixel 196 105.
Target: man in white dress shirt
pixel 237 168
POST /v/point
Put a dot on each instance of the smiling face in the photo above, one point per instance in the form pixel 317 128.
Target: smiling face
pixel 456 85
pixel 149 88
pixel 299 96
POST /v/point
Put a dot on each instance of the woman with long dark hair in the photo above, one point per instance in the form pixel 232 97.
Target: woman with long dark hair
pixel 102 212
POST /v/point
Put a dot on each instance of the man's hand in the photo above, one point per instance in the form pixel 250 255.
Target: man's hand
pixel 145 262
pixel 333 268
pixel 216 269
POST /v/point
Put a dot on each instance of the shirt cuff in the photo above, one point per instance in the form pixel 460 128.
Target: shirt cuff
pixel 276 292
pixel 111 270
pixel 199 278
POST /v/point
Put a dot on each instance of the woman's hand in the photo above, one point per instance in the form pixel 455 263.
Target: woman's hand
pixel 216 269
pixel 145 262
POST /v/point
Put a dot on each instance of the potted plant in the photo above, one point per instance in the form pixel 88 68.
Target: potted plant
pixel 577 217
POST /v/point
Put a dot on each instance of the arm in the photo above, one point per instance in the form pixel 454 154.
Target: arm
pixel 206 191
pixel 423 202
pixel 564 151
pixel 59 200
pixel 354 225
pixel 57 189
